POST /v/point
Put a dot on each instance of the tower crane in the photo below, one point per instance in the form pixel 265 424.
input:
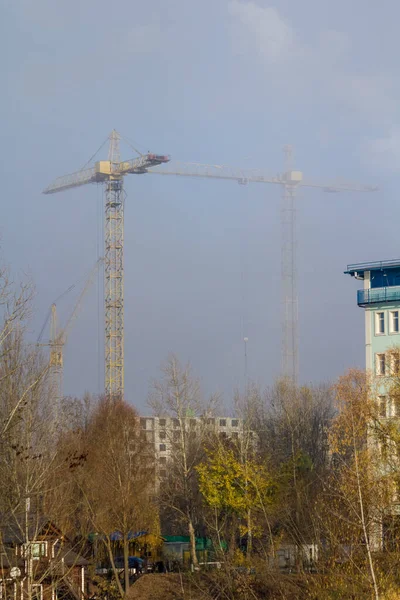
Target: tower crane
pixel 289 181
pixel 58 337
pixel 112 172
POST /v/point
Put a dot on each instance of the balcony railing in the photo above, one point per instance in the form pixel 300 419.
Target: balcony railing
pixel 378 295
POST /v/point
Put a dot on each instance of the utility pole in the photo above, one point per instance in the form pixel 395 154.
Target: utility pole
pixel 28 550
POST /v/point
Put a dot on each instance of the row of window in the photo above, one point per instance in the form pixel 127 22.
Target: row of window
pixel 387 364
pixel 380 322
pixel 193 423
pixel 223 434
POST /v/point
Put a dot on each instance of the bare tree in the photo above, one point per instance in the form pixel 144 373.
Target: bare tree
pixel 30 467
pixel 177 395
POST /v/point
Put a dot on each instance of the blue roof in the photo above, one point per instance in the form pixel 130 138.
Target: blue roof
pixel 372 266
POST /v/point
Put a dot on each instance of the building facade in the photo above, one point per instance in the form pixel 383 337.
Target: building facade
pixel 380 298
pixel 163 433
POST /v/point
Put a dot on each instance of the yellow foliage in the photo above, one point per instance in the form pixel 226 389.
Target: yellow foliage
pixel 227 483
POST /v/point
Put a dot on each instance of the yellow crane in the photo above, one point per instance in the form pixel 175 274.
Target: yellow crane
pixel 58 336
pixel 112 172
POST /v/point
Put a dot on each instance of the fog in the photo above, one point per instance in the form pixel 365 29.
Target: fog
pixel 225 82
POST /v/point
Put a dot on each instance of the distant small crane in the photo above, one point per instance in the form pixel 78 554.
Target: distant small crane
pixel 58 337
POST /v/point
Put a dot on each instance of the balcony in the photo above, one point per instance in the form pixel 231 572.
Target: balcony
pixel 378 295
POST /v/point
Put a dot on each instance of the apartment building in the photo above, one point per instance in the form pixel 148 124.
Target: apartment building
pixel 164 432
pixel 380 299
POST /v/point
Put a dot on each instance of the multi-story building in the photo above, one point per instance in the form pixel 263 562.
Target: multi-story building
pixel 380 298
pixel 164 432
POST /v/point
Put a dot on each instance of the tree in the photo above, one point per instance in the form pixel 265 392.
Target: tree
pixel 292 426
pixel 178 395
pixel 353 491
pixel 233 488
pixel 31 464
pixel 116 479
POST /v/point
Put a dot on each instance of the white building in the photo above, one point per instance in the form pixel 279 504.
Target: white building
pixel 163 432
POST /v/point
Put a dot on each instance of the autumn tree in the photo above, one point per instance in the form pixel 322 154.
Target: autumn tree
pixel 232 487
pixel 30 461
pixel 354 492
pixel 177 395
pixel 292 426
pixel 116 479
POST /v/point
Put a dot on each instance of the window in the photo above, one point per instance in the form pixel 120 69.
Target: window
pixel 222 435
pixel 394 321
pixel 193 423
pixel 38 549
pixel 222 422
pixel 177 436
pixel 142 423
pixel 163 422
pixel 149 436
pixel 210 421
pixel 235 422
pixel 395 363
pixel 380 364
pixel 163 435
pixel 235 435
pixel 176 423
pixel 393 407
pixel 163 447
pixel 163 474
pixel 163 460
pixel 379 323
pixel 382 406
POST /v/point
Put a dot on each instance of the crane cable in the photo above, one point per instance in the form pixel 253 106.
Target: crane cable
pixel 131 145
pixel 95 154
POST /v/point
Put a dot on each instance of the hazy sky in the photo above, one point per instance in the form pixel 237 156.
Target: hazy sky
pixel 222 82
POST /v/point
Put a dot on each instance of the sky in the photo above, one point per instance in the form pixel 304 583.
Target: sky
pixel 225 82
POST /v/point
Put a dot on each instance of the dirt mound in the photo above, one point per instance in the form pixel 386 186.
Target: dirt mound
pixel 204 586
pixel 158 586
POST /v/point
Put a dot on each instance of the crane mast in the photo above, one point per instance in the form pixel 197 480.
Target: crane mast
pixel 56 362
pixel 114 274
